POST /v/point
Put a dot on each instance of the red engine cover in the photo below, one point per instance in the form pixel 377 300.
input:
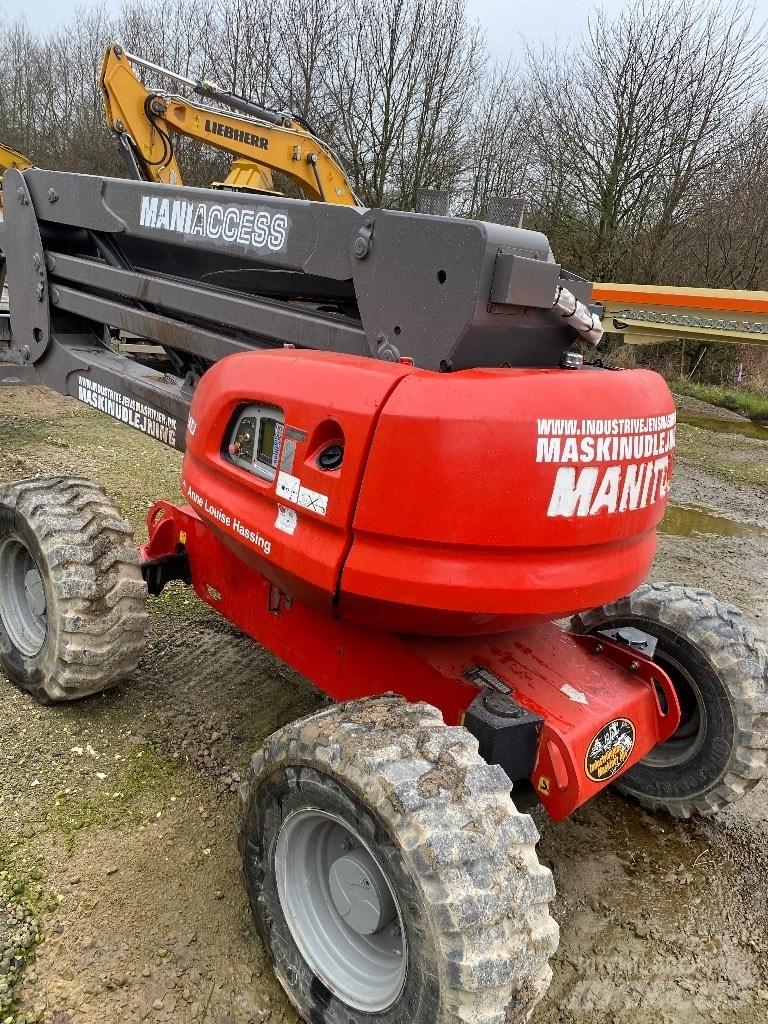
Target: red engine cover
pixel 466 503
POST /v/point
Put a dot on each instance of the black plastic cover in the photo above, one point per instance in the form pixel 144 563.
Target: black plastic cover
pixel 508 734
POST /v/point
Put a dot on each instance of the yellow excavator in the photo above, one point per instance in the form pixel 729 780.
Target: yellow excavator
pixel 260 140
pixel 10 158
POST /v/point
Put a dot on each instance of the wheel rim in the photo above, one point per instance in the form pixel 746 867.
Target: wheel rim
pixel 689 736
pixel 22 598
pixel 341 910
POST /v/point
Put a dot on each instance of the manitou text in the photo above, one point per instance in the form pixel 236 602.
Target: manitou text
pixel 607 466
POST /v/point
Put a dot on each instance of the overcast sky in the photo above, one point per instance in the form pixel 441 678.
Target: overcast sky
pixel 507 22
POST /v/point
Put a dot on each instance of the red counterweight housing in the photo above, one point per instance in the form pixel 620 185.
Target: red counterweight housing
pixel 429 503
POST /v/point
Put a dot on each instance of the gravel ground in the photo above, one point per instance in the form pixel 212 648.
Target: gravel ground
pixel 119 892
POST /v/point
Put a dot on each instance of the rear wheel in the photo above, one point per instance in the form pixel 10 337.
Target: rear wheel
pixel 717 665
pixel 389 874
pixel 72 600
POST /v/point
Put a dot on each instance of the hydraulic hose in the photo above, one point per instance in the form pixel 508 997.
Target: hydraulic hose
pixel 579 316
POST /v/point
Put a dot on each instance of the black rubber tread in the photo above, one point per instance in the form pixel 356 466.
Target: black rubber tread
pixel 95 592
pixel 720 634
pixel 472 855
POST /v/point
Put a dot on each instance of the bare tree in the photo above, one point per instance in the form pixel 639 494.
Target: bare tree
pixel 449 58
pixel 632 119
pixel 22 94
pixel 402 82
pixel 725 241
pixel 499 141
pixel 309 34
pixel 640 148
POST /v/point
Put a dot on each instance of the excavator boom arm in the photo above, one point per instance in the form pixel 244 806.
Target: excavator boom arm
pixel 146 122
pixel 9 159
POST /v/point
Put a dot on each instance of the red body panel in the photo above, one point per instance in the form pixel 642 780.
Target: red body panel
pixel 344 660
pixel 578 686
pixel 453 531
pixel 466 503
pixel 477 506
pixel 548 671
pixel 324 399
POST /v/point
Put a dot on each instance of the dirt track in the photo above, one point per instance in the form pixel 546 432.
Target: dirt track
pixel 117 816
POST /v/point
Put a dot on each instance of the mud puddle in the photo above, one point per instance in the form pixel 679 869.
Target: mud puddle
pixel 744 428
pixel 694 521
pixel 660 920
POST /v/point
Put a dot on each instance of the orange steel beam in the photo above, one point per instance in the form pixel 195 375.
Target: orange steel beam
pixel 693 298
pixel 651 314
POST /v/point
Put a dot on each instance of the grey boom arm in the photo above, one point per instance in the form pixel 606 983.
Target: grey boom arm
pixel 207 273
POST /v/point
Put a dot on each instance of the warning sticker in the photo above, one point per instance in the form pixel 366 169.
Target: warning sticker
pixel 288 455
pixel 286 520
pixel 609 750
pixel 313 500
pixel 288 486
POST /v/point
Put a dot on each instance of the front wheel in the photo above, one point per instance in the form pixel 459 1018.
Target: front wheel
pixel 72 597
pixel 389 874
pixel 717 666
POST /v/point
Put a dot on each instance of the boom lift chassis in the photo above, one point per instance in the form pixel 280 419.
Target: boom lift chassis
pixel 388 870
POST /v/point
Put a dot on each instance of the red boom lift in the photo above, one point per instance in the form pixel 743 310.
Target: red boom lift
pixel 397 475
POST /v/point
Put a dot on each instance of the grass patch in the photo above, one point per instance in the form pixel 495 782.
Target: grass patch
pixel 60 437
pixel 140 788
pixel 754 407
pixel 48 435
pixel 178 601
pixel 733 462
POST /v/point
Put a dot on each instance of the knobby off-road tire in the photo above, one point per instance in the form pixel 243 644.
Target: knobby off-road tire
pixel 73 601
pixel 469 934
pixel 718 666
